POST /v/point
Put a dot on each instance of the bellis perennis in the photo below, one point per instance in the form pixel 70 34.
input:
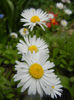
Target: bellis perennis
pixel 64 23
pixel 13 35
pixel 24 31
pixel 32 44
pixel 36 76
pixel 68 11
pixel 59 5
pixel 33 17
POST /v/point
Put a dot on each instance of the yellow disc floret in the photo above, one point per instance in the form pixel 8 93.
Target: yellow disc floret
pixel 24 30
pixel 53 87
pixel 33 48
pixel 35 19
pixel 64 23
pixel 36 71
pixel 13 36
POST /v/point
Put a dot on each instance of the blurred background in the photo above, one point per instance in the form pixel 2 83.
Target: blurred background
pixel 59 39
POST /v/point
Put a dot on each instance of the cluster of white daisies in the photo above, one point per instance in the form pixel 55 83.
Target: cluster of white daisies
pixel 32 17
pixel 67 11
pixel 35 71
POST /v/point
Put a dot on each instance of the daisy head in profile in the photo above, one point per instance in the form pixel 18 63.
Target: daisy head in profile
pixel 13 35
pixel 32 44
pixel 55 88
pixel 31 17
pixel 34 73
pixel 24 31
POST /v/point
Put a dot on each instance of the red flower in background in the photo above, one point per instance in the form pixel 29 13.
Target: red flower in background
pixel 54 22
pixel 51 15
pixel 52 19
pixel 48 25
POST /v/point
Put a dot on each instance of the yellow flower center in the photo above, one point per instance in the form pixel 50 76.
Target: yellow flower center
pixel 13 36
pixel 64 23
pixel 33 48
pixel 53 87
pixel 36 71
pixel 24 30
pixel 35 19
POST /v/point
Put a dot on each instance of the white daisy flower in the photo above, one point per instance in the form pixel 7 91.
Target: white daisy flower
pixel 34 74
pixel 13 35
pixel 32 17
pixel 55 89
pixel 51 16
pixel 32 44
pixel 66 1
pixel 64 23
pixel 24 31
pixel 60 5
pixel 68 11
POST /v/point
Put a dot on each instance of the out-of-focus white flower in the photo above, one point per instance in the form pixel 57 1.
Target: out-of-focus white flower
pixel 68 11
pixel 66 1
pixel 32 17
pixel 34 74
pixel 24 31
pixel 60 5
pixel 64 22
pixel 13 35
pixel 51 16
